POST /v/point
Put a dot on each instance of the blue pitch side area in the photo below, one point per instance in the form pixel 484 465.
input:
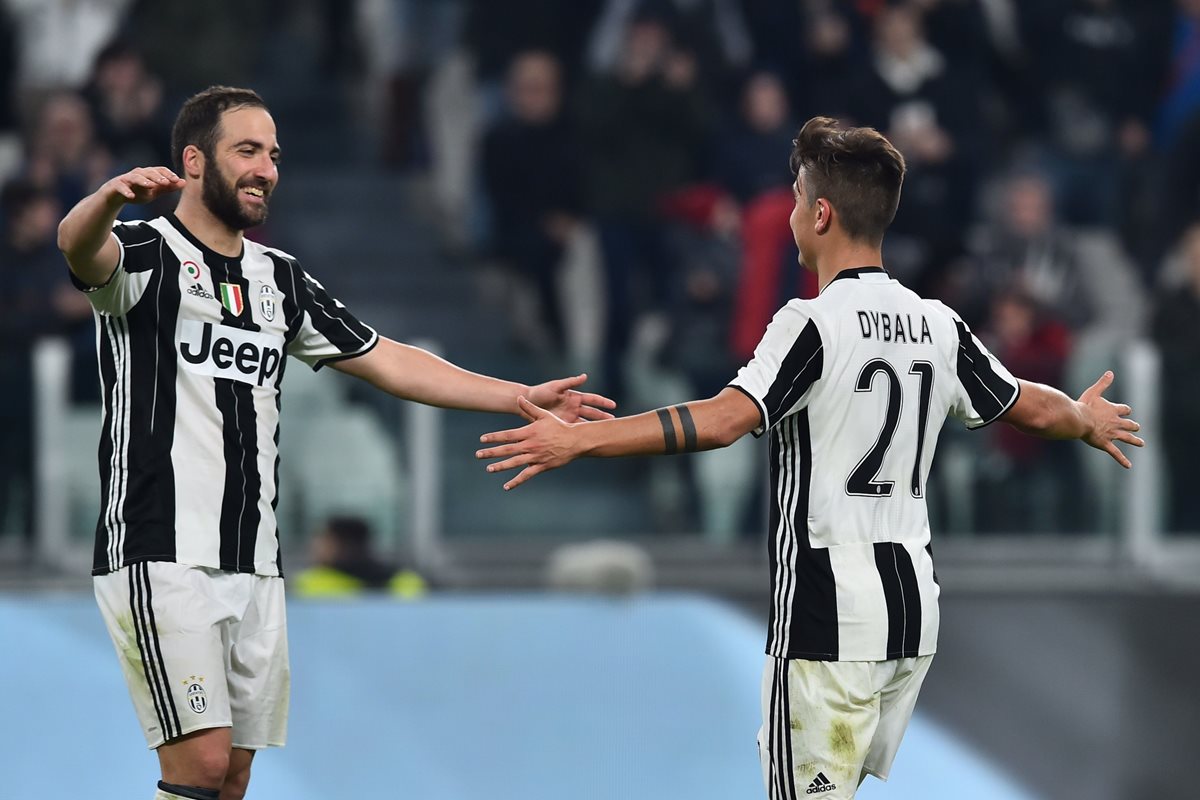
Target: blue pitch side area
pixel 507 697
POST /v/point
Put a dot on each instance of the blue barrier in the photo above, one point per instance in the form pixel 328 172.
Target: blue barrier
pixel 505 697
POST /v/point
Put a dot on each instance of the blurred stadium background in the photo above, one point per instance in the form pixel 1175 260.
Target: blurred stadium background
pixel 538 187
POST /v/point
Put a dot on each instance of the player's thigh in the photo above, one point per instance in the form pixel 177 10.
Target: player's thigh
pixel 897 699
pixel 167 628
pixel 818 722
pixel 259 672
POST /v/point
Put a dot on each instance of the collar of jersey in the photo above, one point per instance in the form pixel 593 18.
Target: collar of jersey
pixel 201 246
pixel 856 273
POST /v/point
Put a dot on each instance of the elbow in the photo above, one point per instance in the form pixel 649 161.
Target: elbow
pixel 725 434
pixel 64 238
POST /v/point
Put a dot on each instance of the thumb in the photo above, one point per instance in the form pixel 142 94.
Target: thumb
pixel 563 384
pixel 531 409
pixel 1098 388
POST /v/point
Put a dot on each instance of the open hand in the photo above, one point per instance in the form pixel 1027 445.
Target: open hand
pixel 560 399
pixel 1109 423
pixel 544 444
pixel 143 184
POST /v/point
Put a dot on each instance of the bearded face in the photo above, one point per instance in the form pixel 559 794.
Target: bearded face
pixel 237 203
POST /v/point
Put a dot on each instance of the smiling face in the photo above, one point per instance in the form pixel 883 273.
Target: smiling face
pixel 239 175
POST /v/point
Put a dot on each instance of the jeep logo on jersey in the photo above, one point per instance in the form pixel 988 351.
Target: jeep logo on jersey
pixel 224 352
pixel 266 303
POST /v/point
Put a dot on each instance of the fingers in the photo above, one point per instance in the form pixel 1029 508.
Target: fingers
pixel 511 463
pixel 531 410
pixel 1098 388
pixel 1129 438
pixel 503 451
pixel 597 400
pixel 589 413
pixel 1130 425
pixel 503 437
pixel 1122 409
pixel 1114 451
pixel 563 384
pixel 524 475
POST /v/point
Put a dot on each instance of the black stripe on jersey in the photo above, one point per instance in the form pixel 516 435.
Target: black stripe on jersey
pixel 240 515
pixel 332 320
pixel 776 733
pixel 799 369
pixel 137 608
pixel 104 558
pixel 990 394
pixel 785 729
pixel 157 648
pixel 814 612
pixel 903 599
pixel 153 364
pixel 136 256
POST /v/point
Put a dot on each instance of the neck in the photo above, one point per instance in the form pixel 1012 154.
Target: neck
pixel 215 234
pixel 850 255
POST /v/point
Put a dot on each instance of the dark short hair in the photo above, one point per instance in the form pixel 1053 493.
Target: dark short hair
pixel 199 121
pixel 856 169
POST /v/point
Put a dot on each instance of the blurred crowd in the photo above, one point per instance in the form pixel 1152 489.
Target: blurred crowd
pixel 626 162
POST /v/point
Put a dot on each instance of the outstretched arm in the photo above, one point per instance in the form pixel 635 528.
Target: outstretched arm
pixel 411 373
pixel 1045 411
pixel 85 234
pixel 550 442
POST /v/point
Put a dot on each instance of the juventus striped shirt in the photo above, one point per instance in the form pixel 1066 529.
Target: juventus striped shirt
pixel 854 386
pixel 191 346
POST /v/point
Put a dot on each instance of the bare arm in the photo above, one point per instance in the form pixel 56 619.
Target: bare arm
pixel 411 373
pixel 85 234
pixel 1045 411
pixel 549 442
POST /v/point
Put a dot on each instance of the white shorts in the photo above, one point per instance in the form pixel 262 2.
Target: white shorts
pixel 827 724
pixel 200 648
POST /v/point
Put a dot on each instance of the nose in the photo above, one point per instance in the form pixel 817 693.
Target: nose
pixel 266 169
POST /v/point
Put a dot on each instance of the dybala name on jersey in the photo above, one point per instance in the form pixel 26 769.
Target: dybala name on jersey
pixel 224 352
pixel 895 328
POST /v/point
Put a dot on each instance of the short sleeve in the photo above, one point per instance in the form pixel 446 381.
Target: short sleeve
pixel 140 253
pixel 324 330
pixel 786 363
pixel 983 388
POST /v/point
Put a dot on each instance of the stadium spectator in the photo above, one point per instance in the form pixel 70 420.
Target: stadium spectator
pixel 749 168
pixel 643 125
pixel 1100 64
pixel 1176 330
pixel 532 175
pixel 37 301
pixel 1181 92
pixel 344 564
pixel 1028 482
pixel 57 41
pixel 1079 276
pixel 64 155
pixel 127 108
pixel 906 90
pixel 714 32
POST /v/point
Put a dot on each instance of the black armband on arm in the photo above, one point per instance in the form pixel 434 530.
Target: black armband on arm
pixel 668 427
pixel 689 429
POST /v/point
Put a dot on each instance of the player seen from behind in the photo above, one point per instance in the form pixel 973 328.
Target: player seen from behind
pixel 853 387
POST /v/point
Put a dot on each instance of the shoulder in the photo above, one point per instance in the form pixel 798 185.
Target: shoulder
pixel 138 231
pixel 274 253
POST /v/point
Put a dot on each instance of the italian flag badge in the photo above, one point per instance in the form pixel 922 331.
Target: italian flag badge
pixel 231 298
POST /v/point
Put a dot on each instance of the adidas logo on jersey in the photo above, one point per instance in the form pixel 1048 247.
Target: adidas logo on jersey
pixel 225 352
pixel 820 785
pixel 199 291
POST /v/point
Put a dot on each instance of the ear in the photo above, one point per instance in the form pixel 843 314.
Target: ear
pixel 193 162
pixel 824 216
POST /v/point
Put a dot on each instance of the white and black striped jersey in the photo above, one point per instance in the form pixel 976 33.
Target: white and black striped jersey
pixel 192 346
pixel 854 386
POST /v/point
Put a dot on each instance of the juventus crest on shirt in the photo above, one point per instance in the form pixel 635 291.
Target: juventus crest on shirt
pixel 854 386
pixel 192 347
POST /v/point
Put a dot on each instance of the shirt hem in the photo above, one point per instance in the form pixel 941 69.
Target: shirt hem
pixel 345 356
pixel 1003 411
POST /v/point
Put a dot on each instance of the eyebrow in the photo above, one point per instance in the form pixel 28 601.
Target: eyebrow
pixel 257 145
